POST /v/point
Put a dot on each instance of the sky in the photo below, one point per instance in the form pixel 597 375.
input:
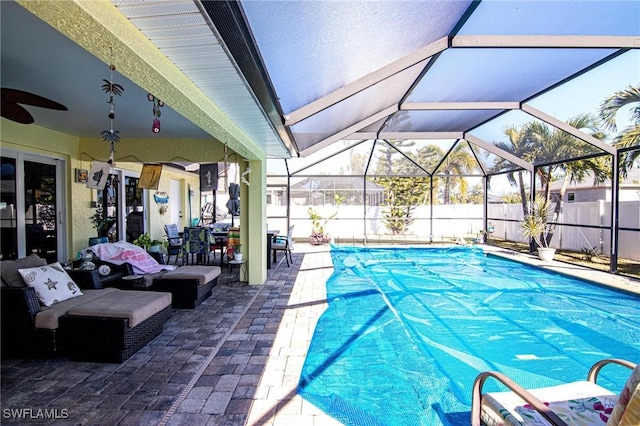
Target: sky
pixel 578 96
pixel 581 95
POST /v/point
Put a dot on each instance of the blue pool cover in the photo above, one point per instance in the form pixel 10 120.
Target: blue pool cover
pixel 408 329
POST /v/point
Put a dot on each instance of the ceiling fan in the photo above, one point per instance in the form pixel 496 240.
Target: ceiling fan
pixel 11 109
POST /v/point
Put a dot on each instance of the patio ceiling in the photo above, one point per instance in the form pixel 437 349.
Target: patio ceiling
pixel 298 76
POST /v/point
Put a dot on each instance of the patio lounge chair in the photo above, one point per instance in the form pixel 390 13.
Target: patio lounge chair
pixel 576 403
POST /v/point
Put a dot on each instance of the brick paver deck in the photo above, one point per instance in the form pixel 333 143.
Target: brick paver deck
pixel 234 360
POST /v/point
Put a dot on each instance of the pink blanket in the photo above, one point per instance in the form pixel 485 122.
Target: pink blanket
pixel 121 252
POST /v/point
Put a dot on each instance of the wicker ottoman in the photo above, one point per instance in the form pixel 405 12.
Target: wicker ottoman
pixel 115 326
pixel 189 285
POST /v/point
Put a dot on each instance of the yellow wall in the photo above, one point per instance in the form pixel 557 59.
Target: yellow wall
pixel 38 140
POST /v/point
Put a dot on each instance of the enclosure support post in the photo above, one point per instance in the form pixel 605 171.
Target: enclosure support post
pixel 486 208
pixel 532 199
pixel 430 209
pixel 615 181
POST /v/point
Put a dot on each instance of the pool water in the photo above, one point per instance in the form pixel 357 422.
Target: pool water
pixel 407 330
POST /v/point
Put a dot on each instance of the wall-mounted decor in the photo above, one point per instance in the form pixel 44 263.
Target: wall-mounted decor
pixel 82 175
pixel 150 176
pixel 98 175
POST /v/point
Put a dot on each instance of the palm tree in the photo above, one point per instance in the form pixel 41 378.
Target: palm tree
pixel 630 136
pixel 520 146
pixel 555 144
pixel 458 162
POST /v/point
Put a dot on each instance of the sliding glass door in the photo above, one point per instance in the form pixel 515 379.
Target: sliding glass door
pixel 31 207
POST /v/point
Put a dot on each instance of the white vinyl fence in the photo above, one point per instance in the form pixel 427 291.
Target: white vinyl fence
pixel 597 213
pixel 450 221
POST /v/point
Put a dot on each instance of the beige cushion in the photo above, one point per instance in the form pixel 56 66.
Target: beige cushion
pixel 9 269
pixel 49 315
pixel 137 306
pixel 204 274
pixel 51 283
pixel 631 415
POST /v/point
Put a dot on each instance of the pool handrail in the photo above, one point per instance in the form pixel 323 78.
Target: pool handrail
pixel 546 412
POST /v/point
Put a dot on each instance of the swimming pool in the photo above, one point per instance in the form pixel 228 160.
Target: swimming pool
pixel 408 329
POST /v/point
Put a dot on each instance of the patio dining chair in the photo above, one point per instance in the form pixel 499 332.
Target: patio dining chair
pixel 284 243
pixel 175 241
pixel 575 403
pixel 195 241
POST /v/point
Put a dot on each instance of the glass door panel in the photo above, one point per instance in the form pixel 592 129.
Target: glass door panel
pixel 108 200
pixel 8 213
pixel 134 208
pixel 40 201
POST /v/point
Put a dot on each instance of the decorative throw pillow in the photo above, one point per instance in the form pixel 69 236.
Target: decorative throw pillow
pixel 51 283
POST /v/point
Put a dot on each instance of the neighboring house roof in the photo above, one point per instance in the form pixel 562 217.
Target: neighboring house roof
pixel 338 182
pixel 631 182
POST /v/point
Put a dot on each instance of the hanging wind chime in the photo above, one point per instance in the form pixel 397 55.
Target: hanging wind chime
pixel 112 89
pixel 157 104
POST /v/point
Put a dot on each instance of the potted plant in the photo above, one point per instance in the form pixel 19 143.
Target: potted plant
pixel 145 241
pixel 535 226
pixel 102 225
pixel 318 236
pixel 237 253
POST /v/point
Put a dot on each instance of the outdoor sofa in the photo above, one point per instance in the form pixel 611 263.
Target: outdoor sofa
pixel 100 325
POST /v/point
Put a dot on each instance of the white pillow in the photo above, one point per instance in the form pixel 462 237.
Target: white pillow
pixel 51 283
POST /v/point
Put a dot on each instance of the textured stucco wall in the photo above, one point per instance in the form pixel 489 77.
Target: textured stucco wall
pixel 77 207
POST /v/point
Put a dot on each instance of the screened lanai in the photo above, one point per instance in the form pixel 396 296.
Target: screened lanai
pixel 423 97
pixel 341 87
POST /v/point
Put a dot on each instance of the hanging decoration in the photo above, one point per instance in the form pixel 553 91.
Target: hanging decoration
pixel 243 178
pixel 226 165
pixel 98 175
pixel 157 104
pixel 112 89
pixel 150 176
pixel 162 199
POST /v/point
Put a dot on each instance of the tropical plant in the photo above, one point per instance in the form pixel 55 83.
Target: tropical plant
pixel 535 223
pixel 100 222
pixel 145 241
pixel 555 144
pixel 318 235
pixel 630 136
pixel 590 253
pixel 405 180
pixel 456 163
pixel 520 146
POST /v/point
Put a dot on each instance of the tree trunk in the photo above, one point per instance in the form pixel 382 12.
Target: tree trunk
pixel 558 208
pixel 523 195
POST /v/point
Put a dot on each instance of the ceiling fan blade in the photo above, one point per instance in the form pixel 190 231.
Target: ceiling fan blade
pixel 22 97
pixel 14 112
